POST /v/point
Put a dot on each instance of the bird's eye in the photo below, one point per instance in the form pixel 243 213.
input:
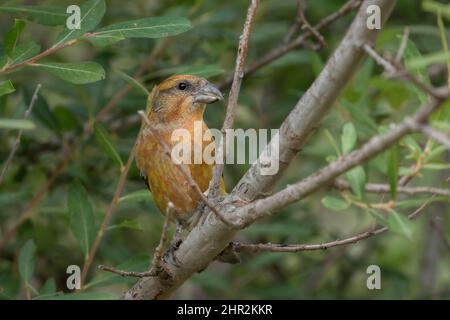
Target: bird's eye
pixel 182 85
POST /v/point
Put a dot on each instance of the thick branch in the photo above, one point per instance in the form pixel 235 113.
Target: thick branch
pixel 315 103
pixel 265 207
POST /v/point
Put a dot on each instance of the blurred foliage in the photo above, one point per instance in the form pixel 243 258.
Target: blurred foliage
pixel 80 80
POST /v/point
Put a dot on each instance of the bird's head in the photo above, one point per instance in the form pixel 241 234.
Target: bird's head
pixel 182 96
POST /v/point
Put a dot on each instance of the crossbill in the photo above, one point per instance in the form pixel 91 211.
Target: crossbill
pixel 176 103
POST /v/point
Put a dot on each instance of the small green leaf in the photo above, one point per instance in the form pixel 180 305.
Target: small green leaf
pixel 139 87
pixel 348 138
pixel 357 179
pixel 104 141
pixel 25 51
pixel 26 261
pixel 81 215
pixel 148 27
pixel 103 40
pixel 6 87
pixel 137 196
pixel 334 203
pixel 378 216
pixel 77 72
pixel 46 15
pixel 400 224
pixel 49 287
pixel 333 142
pixel 128 224
pixel 92 13
pixel 19 124
pixel 12 36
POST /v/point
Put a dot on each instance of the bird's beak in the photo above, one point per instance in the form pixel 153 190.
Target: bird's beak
pixel 208 93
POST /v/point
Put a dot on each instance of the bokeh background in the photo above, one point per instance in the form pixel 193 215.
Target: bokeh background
pixel 417 266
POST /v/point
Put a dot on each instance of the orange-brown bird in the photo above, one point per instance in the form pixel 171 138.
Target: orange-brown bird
pixel 176 103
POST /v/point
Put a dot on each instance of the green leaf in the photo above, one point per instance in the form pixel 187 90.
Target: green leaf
pixel 128 224
pixel 20 124
pixel 393 161
pixel 139 87
pixel 348 138
pixel 12 36
pixel 103 40
pixel 49 287
pixel 77 72
pixel 46 15
pixel 426 60
pixel 148 27
pixel 378 216
pixel 25 51
pixel 92 13
pixel 400 224
pixel 333 142
pixel 26 261
pixel 357 179
pixel 334 203
pixel 6 87
pixel 81 215
pixel 137 196
pixel 104 141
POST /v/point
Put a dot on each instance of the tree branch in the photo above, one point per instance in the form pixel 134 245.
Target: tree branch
pixel 208 238
pixel 315 103
pixel 377 144
pixel 233 99
pixel 270 247
pixel 382 188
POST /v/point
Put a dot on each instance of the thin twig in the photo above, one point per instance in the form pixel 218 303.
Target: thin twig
pixel 183 170
pixel 394 68
pixel 403 45
pixel 159 251
pixel 284 48
pixel 382 188
pixel 214 189
pixel 264 247
pixel 86 132
pixel 295 192
pixel 435 135
pixel 295 28
pixel 108 215
pixel 157 257
pixel 308 27
pixel 19 134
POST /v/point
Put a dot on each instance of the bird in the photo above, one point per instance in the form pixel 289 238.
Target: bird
pixel 176 103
